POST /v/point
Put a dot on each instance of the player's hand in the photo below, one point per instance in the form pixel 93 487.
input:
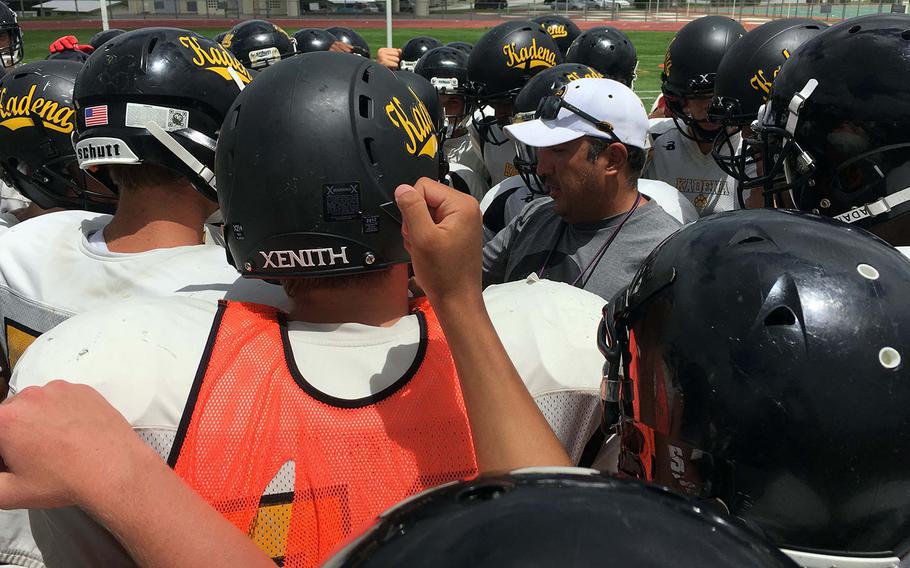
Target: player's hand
pixel 442 232
pixel 69 43
pixel 61 444
pixel 341 47
pixel 389 57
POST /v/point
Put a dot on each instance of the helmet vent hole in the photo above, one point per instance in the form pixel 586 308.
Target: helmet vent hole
pixel 235 116
pixel 368 147
pixel 780 316
pixel 366 76
pixel 889 357
pixel 854 29
pixel 750 240
pixel 905 34
pixel 612 48
pixel 151 45
pixel 482 493
pixel 366 107
pixel 812 27
pixel 867 271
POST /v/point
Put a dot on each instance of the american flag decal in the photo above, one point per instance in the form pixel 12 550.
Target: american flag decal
pixel 96 115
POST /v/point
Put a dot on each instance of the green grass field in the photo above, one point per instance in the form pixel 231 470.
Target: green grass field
pixel 650 46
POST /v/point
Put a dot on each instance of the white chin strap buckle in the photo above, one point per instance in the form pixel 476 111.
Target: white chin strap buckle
pixel 797 103
pixel 876 208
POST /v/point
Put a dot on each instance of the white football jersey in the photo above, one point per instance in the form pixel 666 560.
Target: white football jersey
pixel 466 180
pixel 498 155
pixel 11 200
pixel 49 271
pixel 677 160
pixel 7 220
pixel 461 151
pixel 547 328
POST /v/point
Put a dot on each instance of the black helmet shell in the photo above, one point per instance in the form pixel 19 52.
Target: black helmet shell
pixel 313 39
pixel 103 36
pixel 746 72
pixel 36 121
pixel 507 56
pixel 692 58
pixel 561 29
pixel 177 79
pixel 258 43
pixel 293 208
pixel 555 519
pixel 755 332
pixel 352 38
pixel 414 50
pixel 446 68
pixel 608 50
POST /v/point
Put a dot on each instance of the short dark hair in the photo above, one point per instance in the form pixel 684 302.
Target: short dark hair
pixel 636 156
pixel 130 177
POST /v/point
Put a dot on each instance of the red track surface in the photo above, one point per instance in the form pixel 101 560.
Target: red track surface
pixel 224 23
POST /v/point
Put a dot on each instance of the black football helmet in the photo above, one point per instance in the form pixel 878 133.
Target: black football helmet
pixel 103 36
pixel 446 68
pixel 464 46
pixel 561 29
pixel 12 50
pixel 37 158
pixel 501 63
pixel 547 82
pixel 159 96
pixel 733 358
pixel 608 50
pixel 568 517
pixel 258 43
pixel 68 55
pixel 743 84
pixel 299 211
pixel 414 50
pixel 352 38
pixel 313 39
pixel 690 68
pixel 840 138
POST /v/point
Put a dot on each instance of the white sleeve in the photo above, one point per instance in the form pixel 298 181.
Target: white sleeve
pixel 549 330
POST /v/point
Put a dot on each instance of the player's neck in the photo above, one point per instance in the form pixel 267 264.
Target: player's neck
pixel 155 218
pixel 378 303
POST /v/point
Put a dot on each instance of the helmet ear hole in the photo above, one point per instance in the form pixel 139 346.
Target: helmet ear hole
pixel 368 147
pixel 366 106
pixel 780 316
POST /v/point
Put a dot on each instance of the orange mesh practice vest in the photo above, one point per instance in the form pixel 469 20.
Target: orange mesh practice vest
pixel 298 470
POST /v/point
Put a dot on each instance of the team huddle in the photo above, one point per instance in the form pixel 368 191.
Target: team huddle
pixel 268 300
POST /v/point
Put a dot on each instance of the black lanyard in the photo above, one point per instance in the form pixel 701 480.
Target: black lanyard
pixel 600 253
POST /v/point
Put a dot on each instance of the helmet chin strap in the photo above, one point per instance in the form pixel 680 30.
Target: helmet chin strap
pixel 207 175
pixel 236 77
pixel 876 208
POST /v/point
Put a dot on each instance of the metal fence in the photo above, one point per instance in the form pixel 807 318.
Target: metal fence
pixel 656 11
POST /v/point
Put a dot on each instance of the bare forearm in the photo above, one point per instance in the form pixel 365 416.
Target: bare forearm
pixel 491 387
pixel 163 523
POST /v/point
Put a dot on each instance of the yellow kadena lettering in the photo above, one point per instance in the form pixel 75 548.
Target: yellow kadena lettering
pixel 557 31
pixel 18 112
pixel 417 125
pixel 215 59
pixel 531 56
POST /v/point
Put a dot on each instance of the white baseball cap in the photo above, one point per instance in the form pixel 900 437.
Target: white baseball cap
pixel 607 100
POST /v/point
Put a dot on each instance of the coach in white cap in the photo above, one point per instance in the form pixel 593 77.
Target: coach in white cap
pixel 595 229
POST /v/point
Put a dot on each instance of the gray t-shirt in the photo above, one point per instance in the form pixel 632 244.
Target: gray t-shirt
pixel 538 240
